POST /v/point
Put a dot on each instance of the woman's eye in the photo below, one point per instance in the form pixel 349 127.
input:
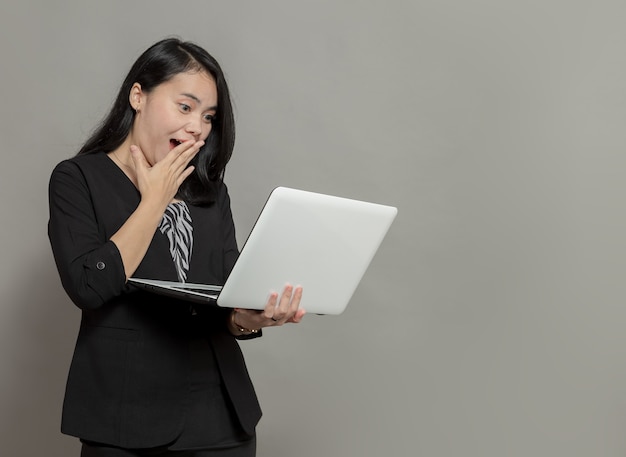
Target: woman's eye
pixel 184 107
pixel 208 118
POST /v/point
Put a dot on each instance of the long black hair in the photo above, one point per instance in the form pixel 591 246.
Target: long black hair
pixel 158 64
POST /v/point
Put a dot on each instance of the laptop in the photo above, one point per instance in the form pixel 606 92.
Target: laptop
pixel 322 242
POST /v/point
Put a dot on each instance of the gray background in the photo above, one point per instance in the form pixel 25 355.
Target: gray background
pixel 491 321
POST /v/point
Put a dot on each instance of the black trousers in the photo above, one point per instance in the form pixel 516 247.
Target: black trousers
pixel 247 449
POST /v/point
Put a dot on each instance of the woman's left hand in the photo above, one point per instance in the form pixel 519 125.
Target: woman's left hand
pixel 276 313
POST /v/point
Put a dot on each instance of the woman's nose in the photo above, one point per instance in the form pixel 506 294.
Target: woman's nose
pixel 195 127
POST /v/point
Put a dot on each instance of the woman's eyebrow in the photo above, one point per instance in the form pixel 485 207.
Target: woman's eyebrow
pixel 198 101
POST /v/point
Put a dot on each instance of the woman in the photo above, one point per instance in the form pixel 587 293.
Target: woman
pixel 145 197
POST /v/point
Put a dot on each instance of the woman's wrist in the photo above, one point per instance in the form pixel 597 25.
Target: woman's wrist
pixel 237 329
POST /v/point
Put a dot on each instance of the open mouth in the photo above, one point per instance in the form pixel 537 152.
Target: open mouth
pixel 174 142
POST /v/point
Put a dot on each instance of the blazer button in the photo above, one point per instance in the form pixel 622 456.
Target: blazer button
pixel 100 265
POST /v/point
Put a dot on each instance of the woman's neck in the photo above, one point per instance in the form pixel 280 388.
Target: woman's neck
pixel 121 157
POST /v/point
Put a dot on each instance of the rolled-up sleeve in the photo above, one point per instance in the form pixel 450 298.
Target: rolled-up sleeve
pixel 90 265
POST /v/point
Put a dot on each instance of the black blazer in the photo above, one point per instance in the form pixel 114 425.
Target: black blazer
pixel 128 380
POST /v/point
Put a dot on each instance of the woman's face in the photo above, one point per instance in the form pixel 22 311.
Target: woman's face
pixel 175 111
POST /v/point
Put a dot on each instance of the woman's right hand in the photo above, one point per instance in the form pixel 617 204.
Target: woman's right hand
pixel 158 185
pixel 160 182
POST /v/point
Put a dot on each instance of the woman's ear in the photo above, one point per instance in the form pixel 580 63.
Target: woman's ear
pixel 136 97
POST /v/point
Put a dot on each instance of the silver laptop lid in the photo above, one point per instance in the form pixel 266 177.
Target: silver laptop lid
pixel 321 242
